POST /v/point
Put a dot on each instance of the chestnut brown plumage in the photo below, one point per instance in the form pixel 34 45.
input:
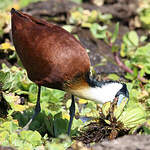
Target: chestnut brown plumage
pixel 55 59
pixel 50 54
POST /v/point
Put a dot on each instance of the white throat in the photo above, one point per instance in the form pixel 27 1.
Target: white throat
pixel 101 94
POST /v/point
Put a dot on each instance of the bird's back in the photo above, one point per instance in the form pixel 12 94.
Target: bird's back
pixel 51 55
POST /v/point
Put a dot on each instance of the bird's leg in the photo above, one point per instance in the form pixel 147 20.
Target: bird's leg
pixel 36 111
pixel 72 113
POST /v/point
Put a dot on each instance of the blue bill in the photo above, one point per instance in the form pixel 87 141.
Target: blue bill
pixel 122 98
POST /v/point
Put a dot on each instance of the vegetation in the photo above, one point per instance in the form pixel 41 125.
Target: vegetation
pixel 48 131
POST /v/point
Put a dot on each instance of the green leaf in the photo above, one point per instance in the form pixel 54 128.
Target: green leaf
pixel 115 48
pixel 143 38
pixel 60 126
pixel 77 1
pixel 115 34
pixel 69 28
pixel 146 130
pixel 113 76
pixel 105 18
pixel 49 124
pixel 4 134
pixel 33 93
pixel 133 37
pixel 93 16
pixel 127 41
pixel 98 31
pixel 145 17
pixel 106 108
pixel 2 76
pixel 6 80
pixel 32 137
pixel 123 51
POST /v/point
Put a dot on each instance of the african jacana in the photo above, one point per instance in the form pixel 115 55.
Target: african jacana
pixel 54 58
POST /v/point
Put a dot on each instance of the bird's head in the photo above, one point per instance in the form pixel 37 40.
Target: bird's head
pixel 102 91
pixel 123 93
pixel 110 90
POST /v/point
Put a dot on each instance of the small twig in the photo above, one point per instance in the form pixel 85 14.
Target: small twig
pixel 120 64
pixel 125 68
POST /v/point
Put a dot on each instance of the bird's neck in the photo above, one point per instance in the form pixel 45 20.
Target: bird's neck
pixel 100 91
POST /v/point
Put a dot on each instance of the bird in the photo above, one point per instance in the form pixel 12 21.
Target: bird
pixel 54 58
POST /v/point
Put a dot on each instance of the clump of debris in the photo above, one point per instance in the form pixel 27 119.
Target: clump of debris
pixel 114 121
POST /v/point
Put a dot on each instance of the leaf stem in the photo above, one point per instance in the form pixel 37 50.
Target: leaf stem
pixel 125 68
pixel 120 63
